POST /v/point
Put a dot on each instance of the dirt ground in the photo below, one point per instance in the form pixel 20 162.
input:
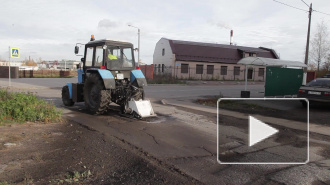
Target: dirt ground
pixel 65 153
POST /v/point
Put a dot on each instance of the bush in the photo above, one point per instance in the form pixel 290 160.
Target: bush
pixel 22 107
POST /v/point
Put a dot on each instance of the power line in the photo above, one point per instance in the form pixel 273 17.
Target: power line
pixel 291 6
pixel 321 12
pixel 315 10
pixel 302 9
pixel 305 3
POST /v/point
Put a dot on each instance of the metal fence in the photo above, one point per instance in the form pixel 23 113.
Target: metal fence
pixel 210 73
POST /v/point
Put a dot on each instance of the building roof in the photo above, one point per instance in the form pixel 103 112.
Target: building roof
pixel 260 61
pixel 220 53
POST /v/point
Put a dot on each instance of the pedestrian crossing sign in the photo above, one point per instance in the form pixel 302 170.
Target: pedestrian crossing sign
pixel 14 53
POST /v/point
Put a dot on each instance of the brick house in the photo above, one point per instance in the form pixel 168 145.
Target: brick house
pixel 197 60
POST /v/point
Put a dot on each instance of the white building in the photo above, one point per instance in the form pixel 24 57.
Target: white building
pixel 197 60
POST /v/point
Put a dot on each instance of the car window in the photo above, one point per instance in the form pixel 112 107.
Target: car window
pixel 319 83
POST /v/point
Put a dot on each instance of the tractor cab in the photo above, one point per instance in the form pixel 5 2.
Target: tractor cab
pixel 116 56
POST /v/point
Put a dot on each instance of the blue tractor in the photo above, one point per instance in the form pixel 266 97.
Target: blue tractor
pixel 108 75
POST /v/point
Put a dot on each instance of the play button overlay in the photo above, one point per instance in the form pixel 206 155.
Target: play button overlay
pixel 262 131
pixel 258 131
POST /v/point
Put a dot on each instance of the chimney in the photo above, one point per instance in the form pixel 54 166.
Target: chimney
pixel 231 37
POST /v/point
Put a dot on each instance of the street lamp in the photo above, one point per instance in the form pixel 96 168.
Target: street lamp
pixel 138 43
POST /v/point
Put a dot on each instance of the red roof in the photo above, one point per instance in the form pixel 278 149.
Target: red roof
pixel 220 53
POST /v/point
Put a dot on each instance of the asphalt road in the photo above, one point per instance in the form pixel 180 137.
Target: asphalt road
pixel 186 139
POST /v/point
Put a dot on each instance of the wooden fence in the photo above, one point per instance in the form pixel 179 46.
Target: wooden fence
pixel 45 73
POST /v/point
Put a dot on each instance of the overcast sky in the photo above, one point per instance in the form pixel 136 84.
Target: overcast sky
pixel 50 29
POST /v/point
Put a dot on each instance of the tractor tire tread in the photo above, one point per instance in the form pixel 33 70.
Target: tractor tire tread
pixel 66 96
pixel 105 95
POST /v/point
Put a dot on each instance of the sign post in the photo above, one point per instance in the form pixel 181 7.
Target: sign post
pixel 13 53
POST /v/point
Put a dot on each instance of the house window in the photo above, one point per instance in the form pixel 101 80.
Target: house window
pixel 163 67
pixel 163 52
pixel 236 71
pixel 184 68
pixel 199 69
pixel 210 69
pixel 159 68
pixel 261 72
pixel 223 70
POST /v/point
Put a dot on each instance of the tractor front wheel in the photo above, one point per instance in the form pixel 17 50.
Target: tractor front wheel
pixel 97 99
pixel 66 96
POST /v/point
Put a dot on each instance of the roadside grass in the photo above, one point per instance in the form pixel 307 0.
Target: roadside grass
pixel 209 100
pixel 73 177
pixel 231 105
pixel 22 107
pixel 165 79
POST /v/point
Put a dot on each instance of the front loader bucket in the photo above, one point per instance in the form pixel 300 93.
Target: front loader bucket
pixel 142 108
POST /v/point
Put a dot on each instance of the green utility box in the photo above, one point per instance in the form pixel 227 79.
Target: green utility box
pixel 282 81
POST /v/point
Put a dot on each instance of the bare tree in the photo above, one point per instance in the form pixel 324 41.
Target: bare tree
pixel 320 45
pixel 311 66
pixel 326 65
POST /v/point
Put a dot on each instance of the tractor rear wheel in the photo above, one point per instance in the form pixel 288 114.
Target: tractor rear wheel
pixel 97 99
pixel 66 96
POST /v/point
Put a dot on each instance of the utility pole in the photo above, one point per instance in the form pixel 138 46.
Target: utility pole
pixel 138 43
pixel 308 33
pixel 9 68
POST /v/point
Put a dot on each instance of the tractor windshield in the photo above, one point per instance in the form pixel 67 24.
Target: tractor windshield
pixel 119 58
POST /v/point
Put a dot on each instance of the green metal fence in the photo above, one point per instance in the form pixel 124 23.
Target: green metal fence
pixel 282 81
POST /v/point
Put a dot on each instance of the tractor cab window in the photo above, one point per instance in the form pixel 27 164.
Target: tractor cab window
pixel 89 56
pixel 119 58
pixel 98 56
pixel 127 57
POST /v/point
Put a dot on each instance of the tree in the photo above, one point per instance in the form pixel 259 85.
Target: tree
pixel 320 45
pixel 28 62
pixel 326 65
pixel 311 66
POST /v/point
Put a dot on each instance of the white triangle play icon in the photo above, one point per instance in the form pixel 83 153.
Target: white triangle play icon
pixel 259 131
